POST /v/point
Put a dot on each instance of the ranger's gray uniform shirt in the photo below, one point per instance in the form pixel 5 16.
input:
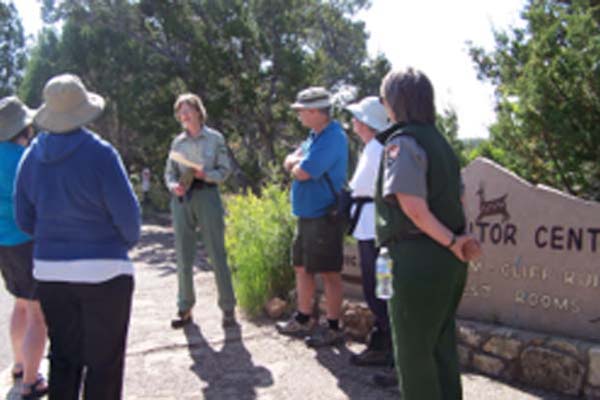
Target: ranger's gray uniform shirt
pixel 405 168
pixel 207 149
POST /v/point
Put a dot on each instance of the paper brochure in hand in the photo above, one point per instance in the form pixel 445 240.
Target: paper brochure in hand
pixel 180 158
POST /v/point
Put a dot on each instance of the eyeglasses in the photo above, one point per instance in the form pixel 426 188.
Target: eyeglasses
pixel 184 111
pixel 381 99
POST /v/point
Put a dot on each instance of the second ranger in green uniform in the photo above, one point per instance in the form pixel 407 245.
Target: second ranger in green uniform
pixel 420 219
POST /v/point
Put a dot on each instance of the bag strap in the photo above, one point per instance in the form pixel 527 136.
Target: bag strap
pixel 330 184
pixel 360 202
pixel 354 218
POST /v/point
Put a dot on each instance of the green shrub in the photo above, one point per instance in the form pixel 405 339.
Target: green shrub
pixel 258 239
pixel 157 199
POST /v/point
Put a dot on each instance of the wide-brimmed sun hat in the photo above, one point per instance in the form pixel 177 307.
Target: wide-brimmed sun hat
pixel 371 112
pixel 67 105
pixel 313 97
pixel 14 117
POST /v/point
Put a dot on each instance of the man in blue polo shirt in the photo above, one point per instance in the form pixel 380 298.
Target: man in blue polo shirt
pixel 318 168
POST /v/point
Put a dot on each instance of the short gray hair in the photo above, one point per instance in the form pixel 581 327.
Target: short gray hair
pixel 409 94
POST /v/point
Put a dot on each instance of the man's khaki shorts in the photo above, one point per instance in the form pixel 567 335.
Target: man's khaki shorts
pixel 318 245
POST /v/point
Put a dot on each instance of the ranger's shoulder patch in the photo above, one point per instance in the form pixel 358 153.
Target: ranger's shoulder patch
pixel 391 152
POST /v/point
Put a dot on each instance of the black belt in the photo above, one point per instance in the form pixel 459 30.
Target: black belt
pixel 199 184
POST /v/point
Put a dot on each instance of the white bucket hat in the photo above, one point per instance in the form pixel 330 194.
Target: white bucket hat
pixel 14 117
pixel 313 97
pixel 68 105
pixel 371 112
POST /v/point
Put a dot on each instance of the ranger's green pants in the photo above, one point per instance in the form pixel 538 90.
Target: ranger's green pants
pixel 199 215
pixel 428 285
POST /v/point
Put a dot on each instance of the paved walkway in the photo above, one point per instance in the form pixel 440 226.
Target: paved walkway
pixel 249 362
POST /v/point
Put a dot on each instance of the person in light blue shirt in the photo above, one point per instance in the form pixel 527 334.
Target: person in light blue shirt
pixel 318 168
pixel 27 326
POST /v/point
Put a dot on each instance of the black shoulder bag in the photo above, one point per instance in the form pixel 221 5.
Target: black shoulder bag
pixel 341 209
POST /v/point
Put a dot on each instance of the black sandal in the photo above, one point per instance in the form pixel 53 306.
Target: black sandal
pixel 184 318
pixel 17 375
pixel 34 391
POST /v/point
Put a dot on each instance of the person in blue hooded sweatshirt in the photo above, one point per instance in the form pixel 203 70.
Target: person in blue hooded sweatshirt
pixel 72 194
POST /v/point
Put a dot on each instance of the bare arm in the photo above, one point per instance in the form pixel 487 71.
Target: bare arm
pixel 300 174
pixel 292 164
pixel 293 159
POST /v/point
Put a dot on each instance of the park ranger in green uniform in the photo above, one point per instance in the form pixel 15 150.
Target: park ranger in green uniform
pixel 202 163
pixel 420 219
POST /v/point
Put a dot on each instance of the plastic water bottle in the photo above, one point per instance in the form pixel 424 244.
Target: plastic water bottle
pixel 383 266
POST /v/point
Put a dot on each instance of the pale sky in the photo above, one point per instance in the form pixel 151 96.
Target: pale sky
pixel 430 35
pixel 427 34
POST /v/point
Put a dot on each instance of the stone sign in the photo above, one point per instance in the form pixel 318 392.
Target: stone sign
pixel 351 273
pixel 541 264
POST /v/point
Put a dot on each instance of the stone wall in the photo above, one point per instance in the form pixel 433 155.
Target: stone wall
pixel 549 362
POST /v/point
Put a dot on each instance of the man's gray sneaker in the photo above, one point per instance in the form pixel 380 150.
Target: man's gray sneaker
pixel 325 337
pixel 294 328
